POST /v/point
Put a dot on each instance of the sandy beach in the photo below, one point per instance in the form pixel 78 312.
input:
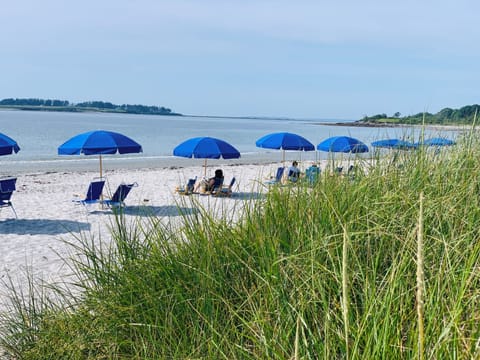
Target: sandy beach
pixel 48 218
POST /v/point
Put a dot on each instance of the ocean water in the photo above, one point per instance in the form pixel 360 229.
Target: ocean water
pixel 39 134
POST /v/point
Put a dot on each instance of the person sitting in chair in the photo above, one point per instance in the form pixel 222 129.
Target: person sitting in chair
pixel 207 185
pixel 293 172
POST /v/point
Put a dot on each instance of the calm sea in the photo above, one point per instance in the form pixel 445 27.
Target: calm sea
pixel 40 133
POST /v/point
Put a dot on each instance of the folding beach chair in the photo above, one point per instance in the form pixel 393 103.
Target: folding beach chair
pixel 217 185
pixel 7 187
pixel 94 193
pixel 278 177
pixel 312 174
pixel 188 189
pixel 190 185
pixel 225 190
pixel 119 196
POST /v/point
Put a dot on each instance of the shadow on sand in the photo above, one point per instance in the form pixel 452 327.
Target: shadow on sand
pixel 166 210
pixel 41 226
pixel 237 195
pixel 179 210
pixel 247 196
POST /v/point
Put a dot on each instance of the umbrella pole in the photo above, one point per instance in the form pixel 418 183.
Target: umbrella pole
pixel 101 178
pixel 283 158
pixel 101 166
pixel 205 168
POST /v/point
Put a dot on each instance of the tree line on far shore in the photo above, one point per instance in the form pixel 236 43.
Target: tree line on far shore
pixel 446 116
pixel 65 105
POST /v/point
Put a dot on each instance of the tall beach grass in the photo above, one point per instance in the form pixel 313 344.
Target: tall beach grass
pixel 385 265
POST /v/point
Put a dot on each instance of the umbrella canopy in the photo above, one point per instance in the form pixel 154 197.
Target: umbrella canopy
pixel 394 144
pixel 99 142
pixel 342 144
pixel 439 141
pixel 206 148
pixel 8 145
pixel 285 141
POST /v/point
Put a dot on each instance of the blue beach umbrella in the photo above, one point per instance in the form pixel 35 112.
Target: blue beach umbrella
pixel 342 144
pixel 285 141
pixel 8 145
pixel 99 142
pixel 394 144
pixel 206 148
pixel 438 141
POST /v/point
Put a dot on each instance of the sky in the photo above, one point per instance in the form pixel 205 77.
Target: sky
pixel 299 59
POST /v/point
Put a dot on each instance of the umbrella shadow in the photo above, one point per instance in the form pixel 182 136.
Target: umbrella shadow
pixel 166 210
pixel 41 226
pixel 239 195
pixel 243 195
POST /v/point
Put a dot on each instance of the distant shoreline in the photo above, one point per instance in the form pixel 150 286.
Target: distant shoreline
pixel 361 124
pixel 79 109
pixel 398 125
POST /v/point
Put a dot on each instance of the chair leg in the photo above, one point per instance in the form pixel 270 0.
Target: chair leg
pixel 10 205
pixel 13 209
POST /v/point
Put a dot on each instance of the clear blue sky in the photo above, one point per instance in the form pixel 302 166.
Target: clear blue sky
pixel 304 59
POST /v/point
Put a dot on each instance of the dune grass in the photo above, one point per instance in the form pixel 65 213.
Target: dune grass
pixel 382 266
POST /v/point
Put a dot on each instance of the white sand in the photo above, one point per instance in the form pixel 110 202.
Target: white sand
pixel 47 217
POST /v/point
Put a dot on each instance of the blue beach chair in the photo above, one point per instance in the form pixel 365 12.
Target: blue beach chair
pixel 119 196
pixel 225 190
pixel 217 185
pixel 94 192
pixel 278 177
pixel 312 174
pixel 188 188
pixel 191 185
pixel 7 187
